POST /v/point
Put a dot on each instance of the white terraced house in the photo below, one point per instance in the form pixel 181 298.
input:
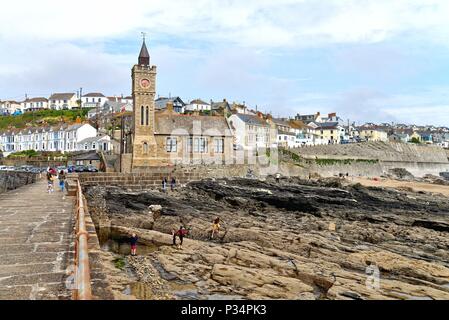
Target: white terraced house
pixel 61 138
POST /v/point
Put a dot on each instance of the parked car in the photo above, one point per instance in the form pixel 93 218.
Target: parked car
pixel 92 169
pixel 71 169
pixel 63 168
pixel 80 168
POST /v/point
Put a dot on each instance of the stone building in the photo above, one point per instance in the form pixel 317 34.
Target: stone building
pixel 165 137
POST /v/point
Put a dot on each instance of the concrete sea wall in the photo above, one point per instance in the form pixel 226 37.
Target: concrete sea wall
pixel 383 151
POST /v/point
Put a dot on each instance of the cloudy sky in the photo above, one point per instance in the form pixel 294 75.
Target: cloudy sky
pixel 368 60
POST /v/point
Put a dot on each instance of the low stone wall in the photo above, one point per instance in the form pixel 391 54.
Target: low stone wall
pixel 10 180
pixel 152 177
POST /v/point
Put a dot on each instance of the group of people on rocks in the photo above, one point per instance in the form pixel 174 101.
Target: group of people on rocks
pixel 180 234
pixel 52 175
pixel 165 183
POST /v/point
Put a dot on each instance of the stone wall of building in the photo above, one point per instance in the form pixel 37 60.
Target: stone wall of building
pixel 10 180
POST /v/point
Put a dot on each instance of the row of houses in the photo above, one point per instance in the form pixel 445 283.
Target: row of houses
pixel 61 138
pixel 60 101
pixel 99 103
pixel 256 130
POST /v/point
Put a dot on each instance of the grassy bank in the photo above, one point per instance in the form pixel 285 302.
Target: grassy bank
pixel 37 118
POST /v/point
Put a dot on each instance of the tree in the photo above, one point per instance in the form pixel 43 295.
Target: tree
pixel 415 140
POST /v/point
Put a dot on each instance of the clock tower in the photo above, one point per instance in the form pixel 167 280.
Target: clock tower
pixel 143 92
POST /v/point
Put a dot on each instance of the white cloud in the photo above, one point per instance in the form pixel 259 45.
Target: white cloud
pixel 249 23
pixel 54 45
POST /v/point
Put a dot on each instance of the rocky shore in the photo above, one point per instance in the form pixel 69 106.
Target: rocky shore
pixel 323 239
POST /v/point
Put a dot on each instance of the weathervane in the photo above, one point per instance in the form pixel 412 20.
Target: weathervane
pixel 143 35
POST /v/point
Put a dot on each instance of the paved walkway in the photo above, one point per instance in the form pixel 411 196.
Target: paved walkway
pixel 36 243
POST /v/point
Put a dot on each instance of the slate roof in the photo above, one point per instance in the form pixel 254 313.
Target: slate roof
pixel 61 96
pixel 94 95
pixel 198 101
pixel 92 139
pixel 38 99
pixel 251 119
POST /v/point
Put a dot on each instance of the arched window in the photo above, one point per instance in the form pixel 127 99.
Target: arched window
pixel 147 114
pixel 145 148
pixel 142 119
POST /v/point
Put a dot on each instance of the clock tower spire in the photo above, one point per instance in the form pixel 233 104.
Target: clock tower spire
pixel 143 91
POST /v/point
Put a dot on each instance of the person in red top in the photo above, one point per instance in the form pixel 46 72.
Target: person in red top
pixel 180 234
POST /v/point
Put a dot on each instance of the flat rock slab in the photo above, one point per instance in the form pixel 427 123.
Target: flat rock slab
pixel 36 243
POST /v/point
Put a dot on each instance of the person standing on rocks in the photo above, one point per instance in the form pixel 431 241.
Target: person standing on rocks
pixel 133 241
pixel 173 184
pixel 180 234
pixel 164 184
pixel 278 176
pixel 215 228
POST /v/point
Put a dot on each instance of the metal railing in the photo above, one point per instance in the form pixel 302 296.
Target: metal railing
pixel 82 271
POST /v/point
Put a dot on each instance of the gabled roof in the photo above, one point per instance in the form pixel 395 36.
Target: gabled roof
pixel 281 122
pixel 38 99
pixel 94 139
pixel 161 102
pixel 61 96
pixel 198 101
pixel 326 125
pixel 94 95
pixel 251 119
pixel 220 105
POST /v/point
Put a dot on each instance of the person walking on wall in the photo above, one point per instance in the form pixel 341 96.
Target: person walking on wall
pixel 50 179
pixel 61 178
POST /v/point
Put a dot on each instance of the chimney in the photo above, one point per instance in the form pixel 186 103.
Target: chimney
pixel 224 100
pixel 170 107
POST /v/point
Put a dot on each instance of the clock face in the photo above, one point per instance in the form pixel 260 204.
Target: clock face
pixel 145 83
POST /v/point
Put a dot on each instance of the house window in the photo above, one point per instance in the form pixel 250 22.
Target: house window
pixel 145 146
pixel 202 142
pixel 189 145
pixel 219 145
pixel 171 145
pixel 85 146
pixel 142 115
pixel 94 146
